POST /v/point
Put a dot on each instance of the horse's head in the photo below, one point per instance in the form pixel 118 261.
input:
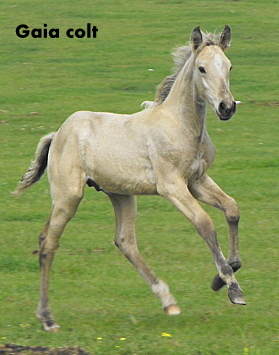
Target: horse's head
pixel 211 71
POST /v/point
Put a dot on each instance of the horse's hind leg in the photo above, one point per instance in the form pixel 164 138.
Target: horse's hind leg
pixel 207 191
pixel 125 212
pixel 65 203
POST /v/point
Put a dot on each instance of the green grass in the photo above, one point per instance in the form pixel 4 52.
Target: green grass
pixel 95 292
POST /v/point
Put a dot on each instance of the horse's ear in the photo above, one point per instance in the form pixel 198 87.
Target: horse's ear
pixel 225 38
pixel 196 38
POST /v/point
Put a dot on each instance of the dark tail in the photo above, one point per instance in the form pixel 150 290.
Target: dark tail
pixel 38 166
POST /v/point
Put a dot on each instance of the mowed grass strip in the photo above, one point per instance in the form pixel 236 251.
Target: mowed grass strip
pixel 101 303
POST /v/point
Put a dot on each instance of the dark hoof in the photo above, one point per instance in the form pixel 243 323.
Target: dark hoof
pixel 218 283
pixel 235 265
pixel 236 295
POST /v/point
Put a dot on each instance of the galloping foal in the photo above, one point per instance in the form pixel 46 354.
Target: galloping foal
pixel 163 150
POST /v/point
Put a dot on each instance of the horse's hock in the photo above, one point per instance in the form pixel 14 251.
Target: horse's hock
pixel 10 349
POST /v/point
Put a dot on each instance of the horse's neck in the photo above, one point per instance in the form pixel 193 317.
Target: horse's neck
pixel 184 101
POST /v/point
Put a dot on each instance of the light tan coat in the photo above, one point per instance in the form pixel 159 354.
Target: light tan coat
pixel 164 150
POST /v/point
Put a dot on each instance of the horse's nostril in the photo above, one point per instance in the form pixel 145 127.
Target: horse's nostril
pixel 226 111
pixel 222 106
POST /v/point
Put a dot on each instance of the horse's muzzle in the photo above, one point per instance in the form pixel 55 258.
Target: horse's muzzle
pixel 225 111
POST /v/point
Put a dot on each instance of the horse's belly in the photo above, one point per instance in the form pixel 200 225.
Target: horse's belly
pixel 125 184
pixel 123 176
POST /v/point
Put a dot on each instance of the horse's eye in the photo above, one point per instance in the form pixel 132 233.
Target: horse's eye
pixel 202 70
pixel 231 68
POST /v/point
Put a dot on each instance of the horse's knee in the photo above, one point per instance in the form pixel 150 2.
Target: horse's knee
pixel 232 211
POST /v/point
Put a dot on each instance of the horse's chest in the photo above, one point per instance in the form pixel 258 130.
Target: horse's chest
pixel 201 161
pixel 199 166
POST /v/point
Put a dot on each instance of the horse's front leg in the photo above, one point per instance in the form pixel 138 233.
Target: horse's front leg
pixel 125 208
pixel 177 192
pixel 207 191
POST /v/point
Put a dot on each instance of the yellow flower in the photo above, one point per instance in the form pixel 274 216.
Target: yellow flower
pixel 99 338
pixel 122 339
pixel 166 335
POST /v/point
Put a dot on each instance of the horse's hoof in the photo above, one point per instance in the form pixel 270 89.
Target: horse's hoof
pixel 172 310
pixel 238 300
pixel 235 265
pixel 48 322
pixel 236 295
pixel 218 283
pixel 53 329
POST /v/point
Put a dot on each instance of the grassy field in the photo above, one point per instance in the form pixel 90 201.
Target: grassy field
pixel 101 303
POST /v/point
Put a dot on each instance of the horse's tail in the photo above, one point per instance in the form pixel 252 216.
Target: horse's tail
pixel 38 166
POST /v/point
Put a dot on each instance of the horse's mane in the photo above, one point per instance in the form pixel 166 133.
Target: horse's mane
pixel 180 57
